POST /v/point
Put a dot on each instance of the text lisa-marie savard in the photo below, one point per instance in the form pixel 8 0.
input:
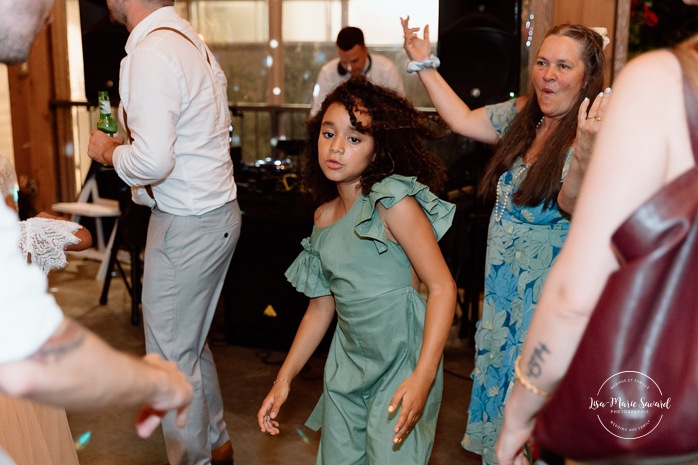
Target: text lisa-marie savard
pixel 619 402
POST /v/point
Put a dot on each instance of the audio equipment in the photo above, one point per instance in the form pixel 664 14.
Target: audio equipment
pixel 103 48
pixel 479 48
pixel 262 309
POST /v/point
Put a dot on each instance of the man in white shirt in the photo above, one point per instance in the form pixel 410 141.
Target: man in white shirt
pixel 354 60
pixel 44 356
pixel 174 106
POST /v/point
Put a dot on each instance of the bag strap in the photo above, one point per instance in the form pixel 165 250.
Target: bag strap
pixel 148 188
pixel 690 102
pixel 165 28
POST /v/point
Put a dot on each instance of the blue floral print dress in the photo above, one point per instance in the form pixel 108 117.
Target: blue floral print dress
pixel 522 244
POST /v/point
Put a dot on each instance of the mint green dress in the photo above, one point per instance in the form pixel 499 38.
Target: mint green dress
pixel 379 332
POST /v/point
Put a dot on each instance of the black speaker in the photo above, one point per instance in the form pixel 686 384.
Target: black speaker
pixel 102 49
pixel 262 309
pixel 479 47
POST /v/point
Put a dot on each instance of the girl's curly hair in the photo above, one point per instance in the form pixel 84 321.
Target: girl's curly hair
pixel 399 132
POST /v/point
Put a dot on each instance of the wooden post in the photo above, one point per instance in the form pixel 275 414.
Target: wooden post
pixel 591 13
pixel 33 85
pixel 611 14
pixel 32 123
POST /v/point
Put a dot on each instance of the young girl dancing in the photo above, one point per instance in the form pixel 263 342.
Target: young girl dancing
pixel 373 243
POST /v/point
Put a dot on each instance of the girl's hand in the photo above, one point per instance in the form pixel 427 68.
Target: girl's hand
pixel 266 417
pixel 410 397
pixel 417 49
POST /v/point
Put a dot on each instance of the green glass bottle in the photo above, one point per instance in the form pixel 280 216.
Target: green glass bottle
pixel 106 122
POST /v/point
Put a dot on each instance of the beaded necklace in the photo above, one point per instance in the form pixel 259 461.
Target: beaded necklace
pixel 499 212
pixel 499 209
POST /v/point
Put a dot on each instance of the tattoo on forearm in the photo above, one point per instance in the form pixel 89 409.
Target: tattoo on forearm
pixel 60 344
pixel 535 363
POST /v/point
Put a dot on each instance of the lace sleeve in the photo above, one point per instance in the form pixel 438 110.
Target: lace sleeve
pixel 45 240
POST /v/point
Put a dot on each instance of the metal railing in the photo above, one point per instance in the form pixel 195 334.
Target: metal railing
pixel 256 131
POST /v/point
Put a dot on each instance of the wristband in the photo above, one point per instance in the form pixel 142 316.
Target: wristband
pixel 431 62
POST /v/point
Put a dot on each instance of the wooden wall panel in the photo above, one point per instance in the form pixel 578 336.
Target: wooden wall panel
pixel 33 86
pixel 592 13
pixel 611 14
pixel 32 122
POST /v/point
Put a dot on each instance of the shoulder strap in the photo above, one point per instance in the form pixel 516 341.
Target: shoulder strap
pixel 165 28
pixel 689 97
pixel 691 114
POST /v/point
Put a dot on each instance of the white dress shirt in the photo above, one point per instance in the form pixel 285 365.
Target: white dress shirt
pixel 28 313
pixel 174 103
pixel 381 71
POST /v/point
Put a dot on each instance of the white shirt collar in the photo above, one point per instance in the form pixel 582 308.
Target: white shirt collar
pixel 158 18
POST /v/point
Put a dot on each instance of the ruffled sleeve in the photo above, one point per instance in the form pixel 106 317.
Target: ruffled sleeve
pixel 389 192
pixel 501 115
pixel 305 273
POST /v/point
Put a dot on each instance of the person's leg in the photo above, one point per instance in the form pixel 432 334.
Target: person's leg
pixel 221 447
pixel 185 266
pixel 219 439
pixel 343 431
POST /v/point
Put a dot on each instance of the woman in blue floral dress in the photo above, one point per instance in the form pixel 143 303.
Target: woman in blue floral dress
pixel 543 141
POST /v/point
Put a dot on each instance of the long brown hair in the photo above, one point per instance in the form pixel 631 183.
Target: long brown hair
pixel 542 182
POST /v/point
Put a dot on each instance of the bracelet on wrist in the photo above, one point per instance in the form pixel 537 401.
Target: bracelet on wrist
pixel 284 380
pixel 431 62
pixel 525 383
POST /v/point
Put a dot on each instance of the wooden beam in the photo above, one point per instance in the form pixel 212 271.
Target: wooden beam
pixel 32 123
pixel 33 85
pixel 591 13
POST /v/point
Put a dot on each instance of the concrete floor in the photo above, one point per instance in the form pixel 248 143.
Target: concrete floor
pixel 245 376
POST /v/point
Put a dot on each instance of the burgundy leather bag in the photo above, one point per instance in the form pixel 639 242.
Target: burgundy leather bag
pixel 631 391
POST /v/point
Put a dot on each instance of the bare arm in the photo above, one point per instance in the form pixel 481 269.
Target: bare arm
pixel 77 370
pixel 588 124
pixel 409 226
pixel 310 332
pixel 636 154
pixel 456 114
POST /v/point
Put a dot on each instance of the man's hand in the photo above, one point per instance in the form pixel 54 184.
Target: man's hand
pixel 101 146
pixel 175 393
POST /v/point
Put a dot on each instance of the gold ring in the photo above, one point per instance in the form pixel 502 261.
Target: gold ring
pixel 597 118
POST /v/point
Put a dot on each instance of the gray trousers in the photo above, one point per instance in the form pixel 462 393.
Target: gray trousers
pixel 186 261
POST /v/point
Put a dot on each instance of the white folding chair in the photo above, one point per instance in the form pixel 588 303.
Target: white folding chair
pixel 90 204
